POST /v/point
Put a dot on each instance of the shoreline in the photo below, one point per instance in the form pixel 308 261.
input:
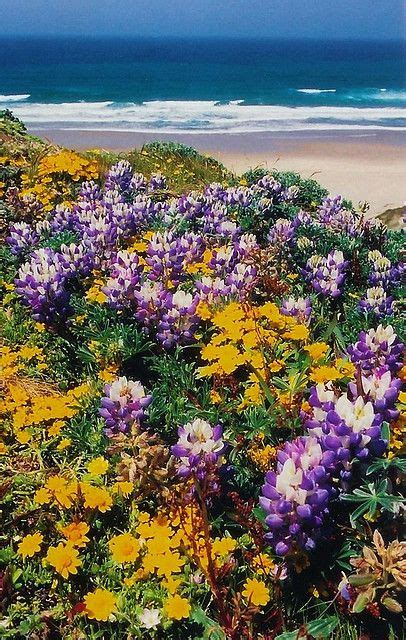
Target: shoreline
pixel 361 165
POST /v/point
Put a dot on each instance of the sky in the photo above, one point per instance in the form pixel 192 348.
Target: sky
pixel 321 19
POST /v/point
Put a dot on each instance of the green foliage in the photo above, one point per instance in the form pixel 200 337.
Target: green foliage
pixel 317 629
pixel 178 396
pixel 371 498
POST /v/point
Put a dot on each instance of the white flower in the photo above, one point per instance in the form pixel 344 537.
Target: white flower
pixel 359 415
pixel 150 618
pixel 123 390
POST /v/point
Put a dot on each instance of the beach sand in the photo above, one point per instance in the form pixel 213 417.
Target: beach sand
pixel 362 166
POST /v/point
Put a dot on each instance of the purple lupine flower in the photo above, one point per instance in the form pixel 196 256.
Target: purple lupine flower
pixel 238 196
pixel 41 283
pixel 99 235
pixel 377 348
pixel 326 274
pixel 157 182
pixel 124 279
pixel 90 191
pixel 351 429
pixel 191 205
pixel 228 229
pixel 123 406
pixel 295 497
pixel 377 301
pixel 215 191
pixel 382 389
pixel 119 176
pixel 300 308
pixel 79 257
pixel 329 208
pixel 178 321
pixel 213 216
pixel 282 232
pixel 211 290
pixel 199 448
pixel 21 237
pixel 381 274
pixel 150 297
pixel 138 183
pixel 165 257
pixel 224 259
pixel 270 184
pixel 241 279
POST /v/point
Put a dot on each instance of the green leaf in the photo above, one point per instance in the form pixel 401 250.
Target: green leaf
pixel 360 603
pixel 385 431
pixel 260 514
pixel 319 629
pixel 212 631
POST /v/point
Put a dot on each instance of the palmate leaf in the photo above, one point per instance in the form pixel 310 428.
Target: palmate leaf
pixel 371 498
pixel 398 464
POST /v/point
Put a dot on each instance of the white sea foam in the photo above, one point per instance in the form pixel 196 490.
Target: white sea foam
pixel 316 90
pixel 14 98
pixel 206 116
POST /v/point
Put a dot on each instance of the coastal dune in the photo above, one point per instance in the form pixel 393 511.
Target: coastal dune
pixel 364 166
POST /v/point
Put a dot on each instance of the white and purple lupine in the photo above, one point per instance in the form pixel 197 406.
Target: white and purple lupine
pixel 377 348
pixel 123 406
pixel 282 233
pixel 382 271
pixel 165 256
pixel 41 283
pixel 199 448
pixel 22 237
pixel 351 429
pixel 241 280
pixel 329 208
pixel 119 176
pixel 240 196
pixel 177 321
pixel 157 182
pixel 326 274
pixel 77 255
pixel 382 389
pixel 295 497
pixel 377 301
pixel 300 308
pixel 125 275
pixel 138 183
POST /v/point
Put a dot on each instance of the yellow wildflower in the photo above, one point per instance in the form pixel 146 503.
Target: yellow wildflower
pixel 75 533
pixel 317 350
pixel 30 545
pixel 256 592
pixel 98 466
pixel 64 558
pixel 176 607
pixel 124 548
pixel 100 604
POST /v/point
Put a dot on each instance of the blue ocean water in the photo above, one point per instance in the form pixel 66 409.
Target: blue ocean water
pixel 204 85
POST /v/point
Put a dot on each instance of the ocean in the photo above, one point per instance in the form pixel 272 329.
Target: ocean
pixel 210 86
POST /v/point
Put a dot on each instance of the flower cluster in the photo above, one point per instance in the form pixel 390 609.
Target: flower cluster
pixel 164 349
pixel 122 406
pixel 199 448
pixel 326 274
pixel 342 427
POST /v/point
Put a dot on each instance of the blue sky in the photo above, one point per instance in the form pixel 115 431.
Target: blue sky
pixel 381 19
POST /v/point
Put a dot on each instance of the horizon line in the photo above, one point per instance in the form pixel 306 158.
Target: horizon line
pixel 57 36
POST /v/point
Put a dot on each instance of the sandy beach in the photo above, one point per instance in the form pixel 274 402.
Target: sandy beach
pixel 362 166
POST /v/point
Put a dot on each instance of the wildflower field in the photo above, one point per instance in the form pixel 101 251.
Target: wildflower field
pixel 201 427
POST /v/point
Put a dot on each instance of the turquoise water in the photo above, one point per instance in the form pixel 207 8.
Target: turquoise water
pixel 203 85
